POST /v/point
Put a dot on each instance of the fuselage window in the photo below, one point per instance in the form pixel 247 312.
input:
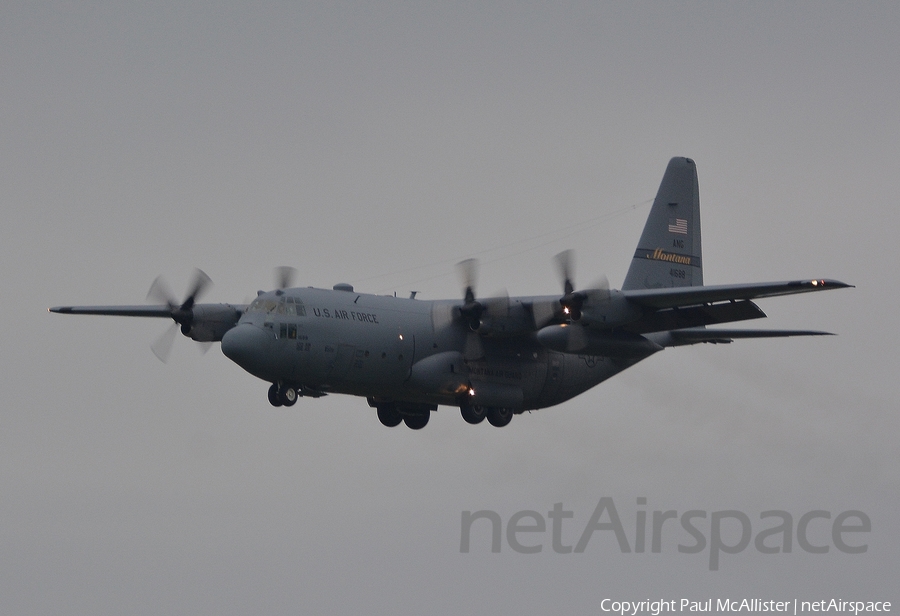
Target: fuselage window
pixel 287 331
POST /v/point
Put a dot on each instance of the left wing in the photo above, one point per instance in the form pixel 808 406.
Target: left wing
pixel 634 322
pixel 681 308
pixel 694 335
pixel 675 297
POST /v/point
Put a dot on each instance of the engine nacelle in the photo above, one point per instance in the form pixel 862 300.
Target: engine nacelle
pixel 614 312
pixel 209 322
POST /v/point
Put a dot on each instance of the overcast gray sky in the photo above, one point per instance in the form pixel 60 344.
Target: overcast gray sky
pixel 358 141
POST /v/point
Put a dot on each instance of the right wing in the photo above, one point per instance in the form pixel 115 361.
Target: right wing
pixel 202 322
pixel 117 311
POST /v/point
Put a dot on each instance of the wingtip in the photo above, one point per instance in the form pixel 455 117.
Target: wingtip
pixel 823 284
pixel 828 283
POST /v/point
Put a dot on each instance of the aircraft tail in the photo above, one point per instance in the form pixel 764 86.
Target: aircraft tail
pixel 668 253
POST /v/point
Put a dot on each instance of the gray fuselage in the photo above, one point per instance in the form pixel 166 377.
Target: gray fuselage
pixel 404 350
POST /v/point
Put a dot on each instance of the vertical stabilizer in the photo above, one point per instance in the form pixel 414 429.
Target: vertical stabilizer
pixel 668 254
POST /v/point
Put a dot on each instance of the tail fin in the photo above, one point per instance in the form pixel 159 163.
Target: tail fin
pixel 668 254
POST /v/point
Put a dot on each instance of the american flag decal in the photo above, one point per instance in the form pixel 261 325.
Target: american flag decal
pixel 678 225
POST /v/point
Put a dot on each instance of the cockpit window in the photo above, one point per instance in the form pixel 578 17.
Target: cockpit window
pixel 283 305
pixel 295 306
pixel 263 304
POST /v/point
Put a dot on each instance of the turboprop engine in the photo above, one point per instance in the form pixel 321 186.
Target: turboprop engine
pixel 209 322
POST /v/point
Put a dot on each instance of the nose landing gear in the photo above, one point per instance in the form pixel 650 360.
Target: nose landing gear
pixel 282 395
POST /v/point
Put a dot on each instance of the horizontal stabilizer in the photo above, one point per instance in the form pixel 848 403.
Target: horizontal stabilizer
pixel 692 296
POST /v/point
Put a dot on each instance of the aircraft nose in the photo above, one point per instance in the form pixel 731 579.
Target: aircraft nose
pixel 245 344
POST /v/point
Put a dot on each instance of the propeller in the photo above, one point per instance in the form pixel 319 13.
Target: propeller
pixel 284 276
pixel 572 301
pixel 478 315
pixel 471 310
pixel 182 314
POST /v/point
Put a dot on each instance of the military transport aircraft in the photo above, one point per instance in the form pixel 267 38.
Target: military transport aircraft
pixel 492 358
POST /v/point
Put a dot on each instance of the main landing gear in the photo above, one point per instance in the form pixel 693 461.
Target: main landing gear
pixel 473 414
pixel 392 414
pixel 389 415
pixel 496 416
pixel 416 417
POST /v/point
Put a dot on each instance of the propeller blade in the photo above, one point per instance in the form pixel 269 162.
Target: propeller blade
pixel 543 312
pixel 160 293
pixel 599 292
pixel 572 301
pixel 473 349
pixel 467 271
pixel 181 314
pixel 201 283
pixel 498 306
pixel 162 346
pixel 284 276
pixel 564 263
